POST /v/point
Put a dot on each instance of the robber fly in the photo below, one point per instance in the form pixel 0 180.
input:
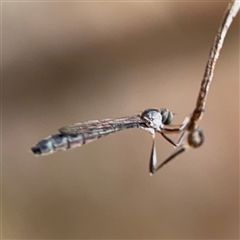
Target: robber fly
pixel 75 135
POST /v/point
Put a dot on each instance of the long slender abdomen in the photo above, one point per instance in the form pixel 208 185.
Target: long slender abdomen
pixel 76 135
pixel 58 142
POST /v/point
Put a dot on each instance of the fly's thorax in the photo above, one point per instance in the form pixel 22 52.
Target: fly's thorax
pixel 152 118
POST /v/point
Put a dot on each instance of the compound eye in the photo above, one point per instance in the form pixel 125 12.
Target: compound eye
pixel 167 116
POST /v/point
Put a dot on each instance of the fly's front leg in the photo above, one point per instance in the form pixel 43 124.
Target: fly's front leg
pixel 175 128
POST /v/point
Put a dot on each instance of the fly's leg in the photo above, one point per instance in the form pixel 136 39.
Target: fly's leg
pixel 195 139
pixel 179 141
pixel 175 128
pixel 153 157
pixel 178 151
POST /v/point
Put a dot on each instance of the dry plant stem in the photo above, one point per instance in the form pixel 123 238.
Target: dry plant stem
pixel 195 135
pixel 230 13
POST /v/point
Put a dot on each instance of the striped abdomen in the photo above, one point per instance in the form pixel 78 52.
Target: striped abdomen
pixel 58 142
pixel 76 135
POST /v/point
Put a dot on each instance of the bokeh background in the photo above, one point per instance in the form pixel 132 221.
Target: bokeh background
pixel 66 62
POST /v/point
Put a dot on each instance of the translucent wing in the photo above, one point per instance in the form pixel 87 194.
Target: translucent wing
pixel 102 127
pixel 78 134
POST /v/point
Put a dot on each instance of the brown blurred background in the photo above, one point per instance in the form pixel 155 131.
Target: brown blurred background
pixel 72 62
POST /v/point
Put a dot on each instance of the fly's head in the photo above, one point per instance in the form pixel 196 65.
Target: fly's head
pixel 155 118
